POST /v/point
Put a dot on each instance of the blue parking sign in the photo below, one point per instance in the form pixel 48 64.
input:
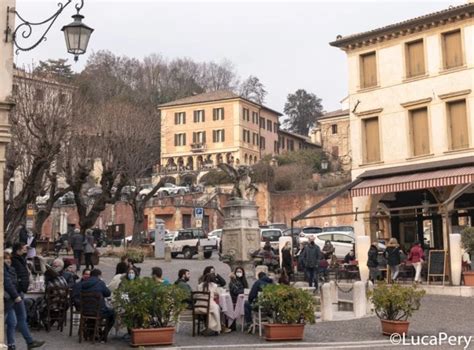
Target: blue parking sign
pixel 198 213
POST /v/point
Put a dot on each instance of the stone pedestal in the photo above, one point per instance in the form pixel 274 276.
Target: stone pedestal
pixel 240 235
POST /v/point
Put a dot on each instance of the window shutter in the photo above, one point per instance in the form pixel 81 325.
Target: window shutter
pixel 195 116
pixel 194 137
pixel 369 70
pixel 203 116
pixel 176 140
pixel 203 137
pixel 223 135
pixel 458 125
pixel 372 144
pixel 222 113
pixel 420 132
pixel 416 59
pixel 452 49
pixel 184 117
pixel 176 118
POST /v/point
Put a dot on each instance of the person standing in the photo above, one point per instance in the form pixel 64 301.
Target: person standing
pixel 392 254
pixel 417 256
pixel 373 263
pixel 23 234
pixel 15 311
pixel 21 267
pixel 31 245
pixel 286 260
pixel 77 245
pixel 310 259
pixel 89 249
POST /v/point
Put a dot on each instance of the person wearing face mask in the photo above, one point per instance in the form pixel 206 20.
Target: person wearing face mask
pixel 131 274
pixel 238 283
pixel 182 282
pixel 217 279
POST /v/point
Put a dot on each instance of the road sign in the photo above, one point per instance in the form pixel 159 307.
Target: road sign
pixel 198 213
pixel 198 223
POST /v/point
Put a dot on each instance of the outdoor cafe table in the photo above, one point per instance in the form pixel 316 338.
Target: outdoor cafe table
pixel 227 307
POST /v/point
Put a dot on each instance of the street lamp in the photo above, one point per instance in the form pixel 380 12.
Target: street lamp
pixel 77 34
pixel 324 164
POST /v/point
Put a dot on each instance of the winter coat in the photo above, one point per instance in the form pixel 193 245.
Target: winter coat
pixel 286 260
pixel 22 272
pixel 416 254
pixel 311 256
pixel 392 254
pixel 257 287
pixel 95 285
pixel 89 244
pixel 237 286
pixel 186 287
pixel 77 241
pixel 9 286
pixel 23 235
pixel 372 260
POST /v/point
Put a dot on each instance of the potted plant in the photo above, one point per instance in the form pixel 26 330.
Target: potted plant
pixel 291 308
pixel 393 304
pixel 467 240
pixel 150 310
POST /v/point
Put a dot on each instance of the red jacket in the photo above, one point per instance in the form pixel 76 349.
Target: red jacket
pixel 416 254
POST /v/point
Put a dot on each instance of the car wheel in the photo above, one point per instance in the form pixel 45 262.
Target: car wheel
pixel 174 255
pixel 207 255
pixel 187 253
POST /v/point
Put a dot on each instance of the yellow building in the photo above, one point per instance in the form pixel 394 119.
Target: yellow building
pixel 198 132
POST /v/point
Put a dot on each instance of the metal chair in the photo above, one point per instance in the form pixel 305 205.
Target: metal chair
pixel 90 323
pixel 74 313
pixel 200 305
pixel 57 304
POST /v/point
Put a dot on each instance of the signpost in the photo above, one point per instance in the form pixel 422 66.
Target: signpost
pixel 30 216
pixel 198 216
pixel 437 264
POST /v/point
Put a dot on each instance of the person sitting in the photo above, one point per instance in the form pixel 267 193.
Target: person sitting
pixel 76 289
pixel 284 278
pixel 122 265
pixel 328 252
pixel 218 279
pixel 131 274
pixel 95 284
pixel 58 267
pixel 349 257
pixel 157 275
pixel 183 278
pixel 238 283
pixel 257 287
pixel 269 258
pixel 214 317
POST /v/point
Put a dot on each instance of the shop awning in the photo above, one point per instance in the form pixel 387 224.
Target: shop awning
pixel 414 181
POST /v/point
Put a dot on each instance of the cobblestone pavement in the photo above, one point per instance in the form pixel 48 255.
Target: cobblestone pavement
pixel 453 315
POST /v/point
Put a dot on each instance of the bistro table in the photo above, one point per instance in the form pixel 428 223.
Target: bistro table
pixel 227 307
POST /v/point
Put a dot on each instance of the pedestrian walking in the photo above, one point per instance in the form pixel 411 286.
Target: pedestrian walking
pixel 373 263
pixel 21 267
pixel 77 246
pixel 310 260
pixel 286 260
pixel 417 257
pixel 23 234
pixel 89 249
pixel 392 254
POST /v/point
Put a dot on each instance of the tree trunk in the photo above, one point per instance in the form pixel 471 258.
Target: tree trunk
pixel 138 209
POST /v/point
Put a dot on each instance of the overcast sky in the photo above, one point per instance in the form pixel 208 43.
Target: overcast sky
pixel 285 44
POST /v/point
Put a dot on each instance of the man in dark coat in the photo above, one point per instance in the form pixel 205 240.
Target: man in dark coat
pixel 310 260
pixel 257 287
pixel 77 245
pixel 20 266
pixel 23 234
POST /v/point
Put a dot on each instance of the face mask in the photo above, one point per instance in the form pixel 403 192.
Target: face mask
pixel 239 274
pixel 131 276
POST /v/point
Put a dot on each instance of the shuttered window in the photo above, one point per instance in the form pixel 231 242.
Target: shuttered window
pixel 218 135
pixel 180 139
pixel 371 139
pixel 269 125
pixel 218 114
pixel 199 116
pixel 452 49
pixel 457 123
pixel 180 118
pixel 368 70
pixel 415 58
pixel 420 137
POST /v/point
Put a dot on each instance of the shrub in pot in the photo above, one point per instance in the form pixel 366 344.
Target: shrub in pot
pixel 290 308
pixel 467 241
pixel 394 304
pixel 149 309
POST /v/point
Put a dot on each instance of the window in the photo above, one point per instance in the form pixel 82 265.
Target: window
pixel 275 127
pixel 180 139
pixel 180 118
pixel 343 239
pixel 415 58
pixel 290 145
pixel 218 114
pixel 255 139
pixel 452 49
pixel 419 131
pixel 457 124
pixel 371 140
pixel 262 123
pixel 275 146
pixel 246 136
pixel 199 137
pixel 199 116
pixel 262 142
pixel 218 135
pixel 334 129
pixel 269 125
pixel 187 224
pixel 368 70
pixel 246 115
pixel 282 142
pixel 255 117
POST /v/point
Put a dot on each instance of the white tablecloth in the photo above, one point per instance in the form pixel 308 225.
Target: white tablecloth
pixel 227 307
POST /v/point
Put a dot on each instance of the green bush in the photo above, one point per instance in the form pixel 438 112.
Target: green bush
pixel 293 177
pixel 144 303
pixel 288 304
pixel 308 157
pixel 395 302
pixel 135 255
pixel 467 239
pixel 215 177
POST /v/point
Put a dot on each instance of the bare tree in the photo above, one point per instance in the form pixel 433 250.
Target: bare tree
pixel 253 89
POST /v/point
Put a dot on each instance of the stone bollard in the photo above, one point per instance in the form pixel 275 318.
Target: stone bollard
pixel 167 254
pixel 326 303
pixel 260 268
pixel 359 299
pixel 200 253
pixel 370 305
pixel 334 295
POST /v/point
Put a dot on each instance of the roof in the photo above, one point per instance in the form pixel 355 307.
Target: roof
pixel 218 95
pixel 334 114
pixel 414 24
pixel 306 139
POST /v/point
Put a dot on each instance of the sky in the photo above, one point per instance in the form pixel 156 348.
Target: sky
pixel 285 44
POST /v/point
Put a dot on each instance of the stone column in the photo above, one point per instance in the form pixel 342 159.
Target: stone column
pixel 326 303
pixel 359 299
pixel 455 255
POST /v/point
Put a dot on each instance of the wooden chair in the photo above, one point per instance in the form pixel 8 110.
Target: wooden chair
pixel 200 305
pixel 57 304
pixel 90 323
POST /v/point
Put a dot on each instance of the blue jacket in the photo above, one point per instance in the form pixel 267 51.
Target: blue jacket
pixel 9 286
pixel 94 284
pixel 257 287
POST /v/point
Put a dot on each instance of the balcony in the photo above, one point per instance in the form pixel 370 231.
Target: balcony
pixel 198 147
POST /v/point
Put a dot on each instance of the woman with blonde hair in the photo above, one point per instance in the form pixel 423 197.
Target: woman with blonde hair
pixel 392 254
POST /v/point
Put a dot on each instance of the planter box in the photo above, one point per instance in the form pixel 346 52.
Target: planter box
pixel 391 327
pixel 284 331
pixel 468 277
pixel 153 336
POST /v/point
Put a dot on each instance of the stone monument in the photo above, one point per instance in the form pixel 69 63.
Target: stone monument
pixel 240 234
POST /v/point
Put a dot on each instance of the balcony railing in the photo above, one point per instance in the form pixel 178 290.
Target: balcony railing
pixel 198 147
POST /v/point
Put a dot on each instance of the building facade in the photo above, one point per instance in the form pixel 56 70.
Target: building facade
pixel 201 131
pixel 412 126
pixel 289 142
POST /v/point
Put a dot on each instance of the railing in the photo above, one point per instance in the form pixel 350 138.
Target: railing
pixel 198 147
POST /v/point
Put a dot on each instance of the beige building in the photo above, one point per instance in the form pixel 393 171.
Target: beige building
pixel 198 132
pixel 289 142
pixel 411 105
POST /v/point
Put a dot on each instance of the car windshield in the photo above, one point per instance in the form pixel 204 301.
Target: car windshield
pixel 296 231
pixel 312 230
pixel 338 228
pixel 271 235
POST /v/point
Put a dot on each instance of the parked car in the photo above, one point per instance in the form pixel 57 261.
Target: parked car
pixel 348 229
pixel 308 231
pixel 294 234
pixel 67 198
pixel 281 226
pixel 216 234
pixel 186 242
pixel 271 235
pixel 170 189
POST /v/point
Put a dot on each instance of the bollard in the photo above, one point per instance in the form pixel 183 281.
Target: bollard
pixel 370 305
pixel 167 254
pixel 456 258
pixel 359 299
pixel 260 268
pixel 200 253
pixel 326 303
pixel 334 296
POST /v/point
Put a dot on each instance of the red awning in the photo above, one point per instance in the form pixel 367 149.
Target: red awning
pixel 415 181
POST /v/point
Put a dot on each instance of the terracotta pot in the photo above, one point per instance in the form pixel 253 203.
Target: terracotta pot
pixel 152 336
pixel 468 278
pixel 284 331
pixel 391 327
